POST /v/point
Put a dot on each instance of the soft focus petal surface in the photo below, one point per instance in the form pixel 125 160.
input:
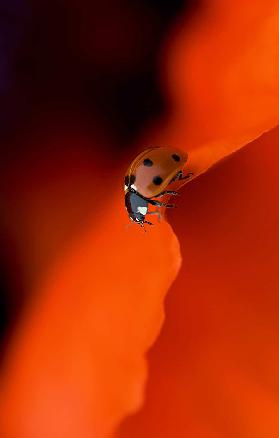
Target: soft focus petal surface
pixel 77 363
pixel 222 75
pixel 76 366
pixel 214 370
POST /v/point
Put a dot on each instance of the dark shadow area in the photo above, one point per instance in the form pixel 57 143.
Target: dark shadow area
pixel 96 60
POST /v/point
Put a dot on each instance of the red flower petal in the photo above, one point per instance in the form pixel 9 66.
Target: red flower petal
pixel 77 366
pixel 222 78
pixel 77 362
pixel 214 369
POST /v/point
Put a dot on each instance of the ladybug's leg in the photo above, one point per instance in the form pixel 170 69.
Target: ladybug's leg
pixel 166 192
pixel 160 204
pixel 149 223
pixel 179 176
pixel 189 175
pixel 142 226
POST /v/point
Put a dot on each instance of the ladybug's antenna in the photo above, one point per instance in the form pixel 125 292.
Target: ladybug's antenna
pixel 142 226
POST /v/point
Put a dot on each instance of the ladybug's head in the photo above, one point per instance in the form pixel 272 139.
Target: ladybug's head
pixel 129 183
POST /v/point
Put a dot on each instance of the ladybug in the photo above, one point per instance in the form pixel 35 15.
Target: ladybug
pixel 148 176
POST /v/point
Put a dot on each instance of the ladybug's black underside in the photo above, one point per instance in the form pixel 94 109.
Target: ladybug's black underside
pixel 134 203
pixel 137 205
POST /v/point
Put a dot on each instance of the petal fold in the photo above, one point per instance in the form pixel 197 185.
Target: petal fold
pixel 76 366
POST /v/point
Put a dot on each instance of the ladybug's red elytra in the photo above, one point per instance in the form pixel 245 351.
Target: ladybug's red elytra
pixel 148 176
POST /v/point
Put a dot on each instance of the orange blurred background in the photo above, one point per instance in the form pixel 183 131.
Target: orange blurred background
pixel 84 88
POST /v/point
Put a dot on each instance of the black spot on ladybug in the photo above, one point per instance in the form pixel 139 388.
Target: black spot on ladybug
pixel 147 162
pixel 175 157
pixel 157 180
